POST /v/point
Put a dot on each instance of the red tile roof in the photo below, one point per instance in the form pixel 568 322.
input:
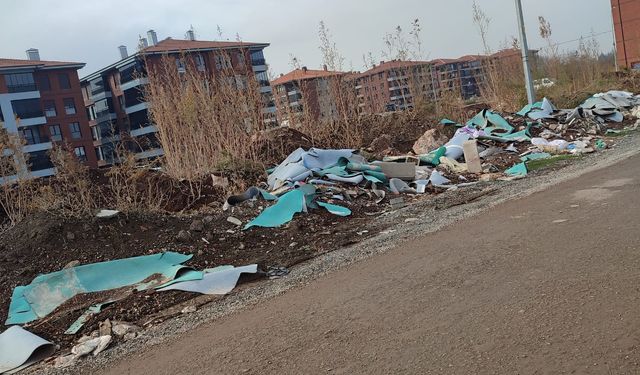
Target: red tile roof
pixel 15 63
pixel 168 44
pixel 302 74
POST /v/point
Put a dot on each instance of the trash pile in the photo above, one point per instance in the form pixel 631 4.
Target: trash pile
pixel 91 287
pixel 487 147
pixel 490 146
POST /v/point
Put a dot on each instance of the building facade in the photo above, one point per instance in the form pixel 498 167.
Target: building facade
pixel 41 102
pixel 627 32
pixel 307 92
pixel 393 85
pixel 113 96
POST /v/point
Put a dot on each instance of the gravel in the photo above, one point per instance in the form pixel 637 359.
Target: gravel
pixel 429 219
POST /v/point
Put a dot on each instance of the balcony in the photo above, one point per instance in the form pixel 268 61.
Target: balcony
pixel 259 68
pixel 133 83
pixel 149 153
pixel 33 121
pixel 137 107
pixel 35 147
pixel 100 95
pixel 22 88
pixel 143 130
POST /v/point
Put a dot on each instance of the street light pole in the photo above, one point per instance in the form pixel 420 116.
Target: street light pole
pixel 531 96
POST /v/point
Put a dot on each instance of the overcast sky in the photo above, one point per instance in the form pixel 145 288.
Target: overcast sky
pixel 89 31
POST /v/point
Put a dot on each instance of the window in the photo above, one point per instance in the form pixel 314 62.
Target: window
pixel 27 108
pixel 39 160
pixel 240 58
pixel 20 82
pixel 55 132
pixel 200 63
pixel 49 108
pixel 257 58
pixel 180 65
pixel 69 106
pixel 223 62
pixel 43 83
pixel 63 81
pixel 80 153
pixel 74 127
pixel 28 136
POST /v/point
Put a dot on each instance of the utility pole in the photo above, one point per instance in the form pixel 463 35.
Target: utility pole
pixel 615 43
pixel 531 95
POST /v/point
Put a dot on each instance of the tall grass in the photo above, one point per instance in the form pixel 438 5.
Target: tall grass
pixel 203 119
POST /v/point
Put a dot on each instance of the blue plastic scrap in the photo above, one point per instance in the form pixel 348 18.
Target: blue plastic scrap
pixel 335 209
pixel 518 170
pixel 282 212
pixel 47 292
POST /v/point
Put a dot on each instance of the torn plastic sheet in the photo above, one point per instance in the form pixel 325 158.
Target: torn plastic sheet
pixel 20 348
pixel 47 292
pixel 518 170
pixel 282 212
pixel 82 319
pixel 219 280
pixel 454 146
pixel 438 179
pixel 540 110
pixel 485 118
pixel 379 193
pixel 300 164
pixel 398 186
pixel 335 209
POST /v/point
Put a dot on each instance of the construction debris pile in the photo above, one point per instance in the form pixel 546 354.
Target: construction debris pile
pixel 490 146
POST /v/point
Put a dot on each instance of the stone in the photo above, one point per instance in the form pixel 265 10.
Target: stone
pixel 121 328
pixel 71 264
pixel 234 220
pixel 431 140
pixel 130 336
pixel 104 328
pixel 196 226
pixel 207 220
pixel 189 309
pixel 183 236
pixel 64 361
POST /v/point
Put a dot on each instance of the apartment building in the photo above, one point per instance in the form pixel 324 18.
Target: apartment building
pixel 393 85
pixel 41 102
pixel 307 92
pixel 627 32
pixel 113 96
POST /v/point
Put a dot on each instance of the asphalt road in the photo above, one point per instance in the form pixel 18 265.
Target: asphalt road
pixel 547 284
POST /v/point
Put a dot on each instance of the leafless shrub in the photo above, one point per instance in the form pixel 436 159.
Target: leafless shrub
pixel 203 118
pixel 16 189
pixel 70 193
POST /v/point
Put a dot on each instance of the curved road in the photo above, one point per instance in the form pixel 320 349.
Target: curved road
pixel 548 284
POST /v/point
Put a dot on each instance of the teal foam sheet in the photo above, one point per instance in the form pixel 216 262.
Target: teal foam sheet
pixel 47 292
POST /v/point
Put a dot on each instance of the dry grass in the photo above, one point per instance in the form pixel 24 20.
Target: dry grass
pixel 202 119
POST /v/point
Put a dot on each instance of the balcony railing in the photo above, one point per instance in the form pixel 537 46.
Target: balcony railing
pixel 22 88
pixel 258 62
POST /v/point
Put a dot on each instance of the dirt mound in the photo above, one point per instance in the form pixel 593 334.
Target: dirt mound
pixel 275 144
pixel 45 243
